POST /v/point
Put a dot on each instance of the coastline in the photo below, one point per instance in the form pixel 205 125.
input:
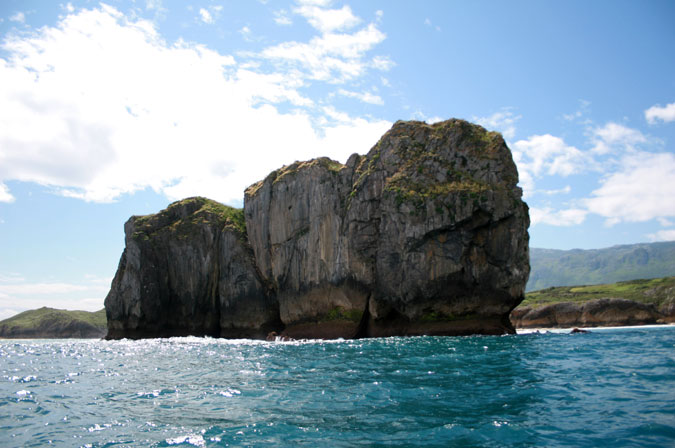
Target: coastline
pixel 519 332
pixel 523 331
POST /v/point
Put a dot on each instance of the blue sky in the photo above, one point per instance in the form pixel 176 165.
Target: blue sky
pixel 119 108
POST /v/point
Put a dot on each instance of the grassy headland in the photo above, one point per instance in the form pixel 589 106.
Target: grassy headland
pixel 54 323
pixel 656 291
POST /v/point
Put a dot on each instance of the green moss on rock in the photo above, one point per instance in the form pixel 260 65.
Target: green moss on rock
pixel 339 313
pixel 183 218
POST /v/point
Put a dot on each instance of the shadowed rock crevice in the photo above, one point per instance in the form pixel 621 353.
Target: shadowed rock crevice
pixel 425 234
pixel 362 331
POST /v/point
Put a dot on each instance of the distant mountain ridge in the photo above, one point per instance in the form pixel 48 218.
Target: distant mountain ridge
pixel 551 267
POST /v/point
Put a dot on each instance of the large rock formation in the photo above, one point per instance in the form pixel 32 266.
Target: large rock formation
pixel 426 234
pixel 189 270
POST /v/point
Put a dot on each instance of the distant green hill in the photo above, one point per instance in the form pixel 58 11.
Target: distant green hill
pixel 657 291
pixel 52 323
pixel 552 267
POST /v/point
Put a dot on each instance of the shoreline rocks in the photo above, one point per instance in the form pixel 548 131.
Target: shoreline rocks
pixel 604 312
pixel 425 234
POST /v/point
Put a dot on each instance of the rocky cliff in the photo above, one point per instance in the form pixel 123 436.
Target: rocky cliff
pixel 189 270
pixel 426 234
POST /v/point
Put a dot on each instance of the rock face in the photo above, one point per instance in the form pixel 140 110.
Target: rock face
pixel 426 234
pixel 188 270
pixel 606 312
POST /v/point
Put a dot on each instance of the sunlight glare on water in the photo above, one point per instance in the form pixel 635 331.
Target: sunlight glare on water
pixel 582 390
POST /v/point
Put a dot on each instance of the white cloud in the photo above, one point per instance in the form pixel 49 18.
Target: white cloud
pixel 565 190
pixel 39 288
pixel 119 110
pixel 334 57
pixel 547 154
pixel 281 18
pixel 382 63
pixel 205 16
pixel 504 122
pixel 17 294
pixel 19 17
pixel 580 112
pixel 11 277
pixel 665 114
pixel 547 215
pixel 272 87
pixel 322 3
pixel 421 116
pixel 428 23
pixel 152 4
pixel 614 137
pixel 365 97
pixel 328 20
pixel 662 235
pixel 5 195
pixel 641 190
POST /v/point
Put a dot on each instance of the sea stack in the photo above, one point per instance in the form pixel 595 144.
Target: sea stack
pixel 424 235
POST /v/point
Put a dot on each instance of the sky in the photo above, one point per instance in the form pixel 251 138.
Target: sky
pixel 114 109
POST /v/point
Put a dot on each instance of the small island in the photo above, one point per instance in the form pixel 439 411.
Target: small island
pixel 424 235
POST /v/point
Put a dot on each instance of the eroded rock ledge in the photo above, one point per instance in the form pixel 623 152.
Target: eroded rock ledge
pixel 426 234
pixel 604 312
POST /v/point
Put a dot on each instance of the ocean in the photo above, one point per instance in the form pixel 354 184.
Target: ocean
pixel 610 387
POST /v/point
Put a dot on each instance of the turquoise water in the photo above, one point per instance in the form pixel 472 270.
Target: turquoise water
pixel 607 388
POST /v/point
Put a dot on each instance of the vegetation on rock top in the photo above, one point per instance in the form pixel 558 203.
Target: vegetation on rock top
pixel 292 169
pixel 181 216
pixel 289 170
